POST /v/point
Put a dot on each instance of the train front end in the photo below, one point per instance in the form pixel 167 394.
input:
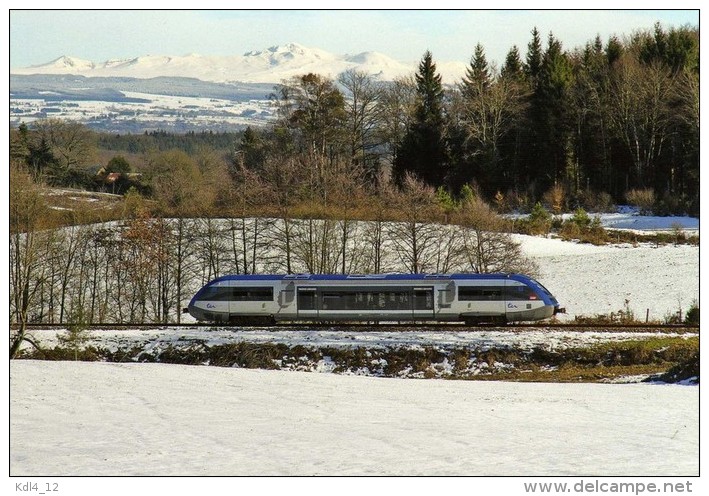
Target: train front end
pixel 534 303
pixel 210 303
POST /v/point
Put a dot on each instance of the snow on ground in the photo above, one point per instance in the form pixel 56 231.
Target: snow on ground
pixel 589 280
pixel 629 218
pixel 74 418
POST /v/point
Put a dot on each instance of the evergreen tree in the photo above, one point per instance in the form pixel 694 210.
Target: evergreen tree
pixel 477 75
pixel 423 151
pixel 118 164
pixel 614 50
pixel 534 56
pixel 513 146
pixel 513 68
pixel 533 164
pixel 554 87
pixel 252 149
pixel 549 145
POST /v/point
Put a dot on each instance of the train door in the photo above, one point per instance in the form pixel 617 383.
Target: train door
pixel 514 303
pixel 307 303
pixel 423 307
pixel 286 301
pixel 509 305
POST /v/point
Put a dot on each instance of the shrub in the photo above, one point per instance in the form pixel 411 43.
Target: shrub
pixel 581 218
pixel 556 198
pixel 518 202
pixel 77 334
pixel 596 233
pixel 596 202
pixel 570 230
pixel 622 316
pixel 679 234
pixel 538 222
pixel 692 317
pixel 501 202
pixel 581 227
pixel 683 371
pixel 644 199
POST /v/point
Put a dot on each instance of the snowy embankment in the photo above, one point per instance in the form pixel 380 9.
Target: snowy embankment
pixel 589 280
pixel 73 418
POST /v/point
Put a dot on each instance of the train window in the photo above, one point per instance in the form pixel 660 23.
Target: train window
pixel 423 299
pixel 216 293
pixel 333 301
pixel 496 293
pixel 306 300
pixel 521 293
pixel 230 293
pixel 481 293
pixel 252 294
pixel 363 300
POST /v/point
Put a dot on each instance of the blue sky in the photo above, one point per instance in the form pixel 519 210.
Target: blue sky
pixel 39 36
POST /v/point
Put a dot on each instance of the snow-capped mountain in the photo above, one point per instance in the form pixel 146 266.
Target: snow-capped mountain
pixel 63 65
pixel 271 65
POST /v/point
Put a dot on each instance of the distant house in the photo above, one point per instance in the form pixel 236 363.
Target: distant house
pixel 113 182
pixel 112 177
pixel 104 178
pixel 96 170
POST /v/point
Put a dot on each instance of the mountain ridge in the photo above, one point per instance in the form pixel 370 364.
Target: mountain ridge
pixel 271 65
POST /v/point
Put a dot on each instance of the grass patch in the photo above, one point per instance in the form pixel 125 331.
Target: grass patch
pixel 669 359
pixel 568 374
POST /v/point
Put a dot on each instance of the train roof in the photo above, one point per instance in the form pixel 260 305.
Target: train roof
pixel 366 277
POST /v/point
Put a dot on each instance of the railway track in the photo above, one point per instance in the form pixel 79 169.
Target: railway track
pixel 388 326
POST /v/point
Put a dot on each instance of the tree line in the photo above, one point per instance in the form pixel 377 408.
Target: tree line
pixel 603 119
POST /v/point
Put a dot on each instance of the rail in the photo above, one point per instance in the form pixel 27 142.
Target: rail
pixel 401 326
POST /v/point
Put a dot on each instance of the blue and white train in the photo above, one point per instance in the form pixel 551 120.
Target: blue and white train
pixel 469 298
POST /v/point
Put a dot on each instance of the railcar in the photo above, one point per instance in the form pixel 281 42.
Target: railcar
pixel 469 298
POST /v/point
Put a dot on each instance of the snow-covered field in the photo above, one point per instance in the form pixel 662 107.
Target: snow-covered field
pixel 156 111
pixel 79 419
pixel 75 418
pixel 589 280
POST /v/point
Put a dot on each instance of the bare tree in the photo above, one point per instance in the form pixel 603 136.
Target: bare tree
pixel 398 104
pixel 347 195
pixel 71 143
pixel 487 245
pixel 375 243
pixel 30 238
pixel 448 253
pixel 316 245
pixel 284 180
pixel 178 184
pixel 414 236
pixel 639 111
pixel 364 114
pixel 72 243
